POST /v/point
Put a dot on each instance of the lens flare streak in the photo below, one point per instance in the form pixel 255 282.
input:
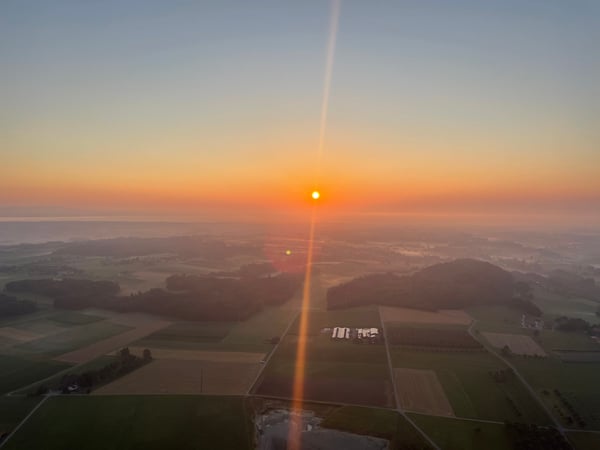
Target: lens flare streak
pixel 296 425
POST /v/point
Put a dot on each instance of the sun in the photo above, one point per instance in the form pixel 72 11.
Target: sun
pixel 315 195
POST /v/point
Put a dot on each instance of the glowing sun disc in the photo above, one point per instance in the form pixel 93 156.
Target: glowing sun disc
pixel 315 195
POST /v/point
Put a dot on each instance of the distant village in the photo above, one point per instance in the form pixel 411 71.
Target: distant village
pixel 362 335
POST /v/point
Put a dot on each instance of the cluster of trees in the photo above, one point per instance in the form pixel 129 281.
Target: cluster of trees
pixel 12 306
pixel 514 406
pixel 69 293
pixel 571 324
pixel 574 417
pixel 533 437
pixel 439 338
pixel 126 362
pixel 188 297
pixel 456 284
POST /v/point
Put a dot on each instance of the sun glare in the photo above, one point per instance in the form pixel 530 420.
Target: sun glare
pixel 315 195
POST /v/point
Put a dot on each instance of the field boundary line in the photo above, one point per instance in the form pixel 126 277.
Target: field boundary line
pixel 534 394
pixel 267 359
pixel 35 408
pixel 393 381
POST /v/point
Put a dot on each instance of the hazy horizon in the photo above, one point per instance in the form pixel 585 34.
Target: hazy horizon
pixel 215 110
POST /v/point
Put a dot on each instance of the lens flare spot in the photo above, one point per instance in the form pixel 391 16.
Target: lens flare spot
pixel 288 252
pixel 316 195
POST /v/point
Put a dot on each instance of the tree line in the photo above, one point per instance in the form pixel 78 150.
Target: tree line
pixel 186 297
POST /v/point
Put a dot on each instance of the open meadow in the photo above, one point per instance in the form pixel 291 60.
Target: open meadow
pixel 144 422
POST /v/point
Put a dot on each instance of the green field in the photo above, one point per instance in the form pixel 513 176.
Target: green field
pixel 471 390
pixel 73 318
pixel 498 319
pixel 383 423
pixel 251 335
pixel 13 410
pixel 456 434
pixel 555 305
pixel 140 422
pixel 53 383
pixel 20 371
pixel 576 381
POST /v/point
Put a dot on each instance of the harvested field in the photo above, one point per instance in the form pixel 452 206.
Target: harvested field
pixel 420 391
pixel 518 343
pixel 143 328
pixel 16 334
pixel 171 376
pixel 408 315
pixel 201 355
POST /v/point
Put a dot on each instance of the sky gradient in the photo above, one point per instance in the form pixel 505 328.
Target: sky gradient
pixel 187 107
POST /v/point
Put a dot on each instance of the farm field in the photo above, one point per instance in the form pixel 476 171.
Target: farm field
pixel 148 422
pixel 555 305
pixel 469 384
pixel 71 338
pixel 187 335
pixel 13 410
pixel 450 338
pixel 18 371
pixel 383 423
pixel 185 377
pixel 456 434
pixel 498 319
pixel 201 355
pixel 420 390
pixel 519 344
pixel 577 382
pixel 555 340
pixel 251 335
pixel 408 315
pixel 142 327
pixel 579 356
pixel 336 371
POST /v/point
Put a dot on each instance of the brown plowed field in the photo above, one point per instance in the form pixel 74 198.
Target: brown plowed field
pixel 169 376
pixel 200 355
pixel 337 390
